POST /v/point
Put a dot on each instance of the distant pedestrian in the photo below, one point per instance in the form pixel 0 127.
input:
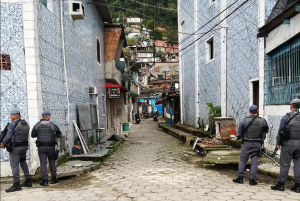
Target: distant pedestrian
pixel 289 140
pixel 16 143
pixel 47 134
pixel 253 131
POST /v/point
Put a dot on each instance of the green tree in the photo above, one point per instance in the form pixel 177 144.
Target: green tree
pixel 149 24
pixel 156 34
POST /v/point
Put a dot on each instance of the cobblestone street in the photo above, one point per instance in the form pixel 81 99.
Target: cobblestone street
pixel 150 166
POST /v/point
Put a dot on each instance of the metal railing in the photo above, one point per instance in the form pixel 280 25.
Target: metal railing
pixel 284 73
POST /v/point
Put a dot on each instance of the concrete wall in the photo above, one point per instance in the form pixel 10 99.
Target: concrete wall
pixel 283 33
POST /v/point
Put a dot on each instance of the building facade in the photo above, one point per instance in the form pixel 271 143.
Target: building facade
pixel 282 67
pixel 221 59
pixel 60 60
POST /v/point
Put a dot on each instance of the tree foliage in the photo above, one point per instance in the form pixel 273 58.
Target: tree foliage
pixel 166 16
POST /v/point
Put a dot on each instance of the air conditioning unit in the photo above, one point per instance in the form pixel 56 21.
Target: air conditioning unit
pixel 76 10
pixel 93 91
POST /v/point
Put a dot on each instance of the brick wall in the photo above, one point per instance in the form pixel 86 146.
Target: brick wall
pixel 112 37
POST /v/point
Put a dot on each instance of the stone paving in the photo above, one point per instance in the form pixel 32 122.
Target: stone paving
pixel 150 166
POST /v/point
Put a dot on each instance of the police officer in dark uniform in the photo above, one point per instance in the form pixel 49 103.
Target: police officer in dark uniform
pixel 290 149
pixel 253 131
pixel 46 133
pixel 16 142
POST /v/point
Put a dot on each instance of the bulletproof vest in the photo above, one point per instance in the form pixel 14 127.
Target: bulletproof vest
pixel 45 132
pixel 255 130
pixel 21 132
pixel 294 126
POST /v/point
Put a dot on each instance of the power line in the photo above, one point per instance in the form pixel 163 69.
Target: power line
pixel 214 26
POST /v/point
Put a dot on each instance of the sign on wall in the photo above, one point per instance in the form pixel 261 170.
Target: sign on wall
pixel 114 92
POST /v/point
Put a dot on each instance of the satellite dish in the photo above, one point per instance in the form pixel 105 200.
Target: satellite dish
pixel 120 65
pixel 125 76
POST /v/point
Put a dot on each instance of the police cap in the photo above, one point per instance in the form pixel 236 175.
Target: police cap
pixel 15 112
pixel 252 108
pixel 295 101
pixel 46 113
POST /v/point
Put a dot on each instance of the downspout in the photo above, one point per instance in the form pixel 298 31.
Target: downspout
pixel 65 71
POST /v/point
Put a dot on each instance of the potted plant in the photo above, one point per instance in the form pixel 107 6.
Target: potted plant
pixel 213 111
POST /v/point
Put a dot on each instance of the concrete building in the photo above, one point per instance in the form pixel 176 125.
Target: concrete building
pixel 56 62
pixel 282 67
pixel 116 105
pixel 221 60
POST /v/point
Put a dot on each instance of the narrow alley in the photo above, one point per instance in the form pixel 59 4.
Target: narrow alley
pixel 150 165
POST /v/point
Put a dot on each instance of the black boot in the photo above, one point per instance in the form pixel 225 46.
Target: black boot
pixel 252 182
pixel 54 180
pixel 27 183
pixel 278 187
pixel 16 187
pixel 238 180
pixel 44 182
pixel 296 188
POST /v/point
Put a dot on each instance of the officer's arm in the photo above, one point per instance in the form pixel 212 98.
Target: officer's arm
pixel 9 134
pixel 33 132
pixel 57 131
pixel 241 128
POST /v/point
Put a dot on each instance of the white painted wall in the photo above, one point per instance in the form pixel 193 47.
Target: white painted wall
pixel 197 101
pixel 261 57
pixel 223 36
pixel 33 74
pixel 283 33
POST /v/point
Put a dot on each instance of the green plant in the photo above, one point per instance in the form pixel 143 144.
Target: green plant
pixel 128 30
pixel 213 111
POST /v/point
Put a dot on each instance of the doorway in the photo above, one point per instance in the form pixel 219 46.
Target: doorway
pixel 255 94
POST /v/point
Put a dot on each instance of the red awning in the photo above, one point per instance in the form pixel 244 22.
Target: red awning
pixel 158 102
pixel 110 85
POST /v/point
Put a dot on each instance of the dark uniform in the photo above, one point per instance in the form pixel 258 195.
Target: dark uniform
pixel 290 148
pixel 253 139
pixel 46 133
pixel 17 137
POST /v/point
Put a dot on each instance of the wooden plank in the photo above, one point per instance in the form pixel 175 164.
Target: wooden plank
pixel 80 137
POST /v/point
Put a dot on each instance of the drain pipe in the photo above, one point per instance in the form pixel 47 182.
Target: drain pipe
pixel 65 71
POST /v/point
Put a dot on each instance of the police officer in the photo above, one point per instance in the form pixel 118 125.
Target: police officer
pixel 17 139
pixel 253 131
pixel 290 149
pixel 46 133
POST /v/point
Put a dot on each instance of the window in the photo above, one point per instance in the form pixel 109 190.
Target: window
pixel 284 73
pixel 48 4
pixel 5 62
pixel 210 55
pixel 182 30
pixel 98 51
pixel 159 85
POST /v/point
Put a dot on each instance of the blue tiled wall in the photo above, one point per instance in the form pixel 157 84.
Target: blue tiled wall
pixel 13 83
pixel 188 63
pixel 83 70
pixel 242 57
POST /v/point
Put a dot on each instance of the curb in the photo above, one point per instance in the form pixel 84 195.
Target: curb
pixel 188 138
pixel 96 166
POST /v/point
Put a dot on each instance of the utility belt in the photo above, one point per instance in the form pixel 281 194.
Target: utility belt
pixel 252 140
pixel 19 144
pixel 47 144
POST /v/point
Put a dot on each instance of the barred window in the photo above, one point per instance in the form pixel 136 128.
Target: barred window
pixel 284 73
pixel 5 62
